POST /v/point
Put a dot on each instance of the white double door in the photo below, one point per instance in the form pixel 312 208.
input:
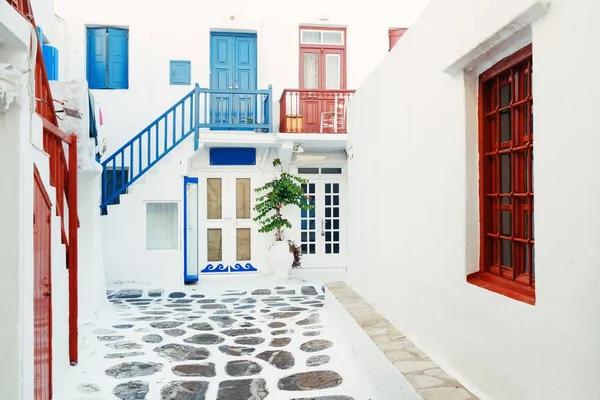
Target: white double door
pixel 323 230
pixel 226 236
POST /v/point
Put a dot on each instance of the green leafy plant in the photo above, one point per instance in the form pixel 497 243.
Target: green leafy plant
pixel 282 191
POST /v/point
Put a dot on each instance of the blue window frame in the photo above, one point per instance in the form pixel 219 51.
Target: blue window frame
pixel 108 58
pixel 180 72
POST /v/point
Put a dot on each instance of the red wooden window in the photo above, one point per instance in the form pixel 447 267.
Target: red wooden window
pixel 322 58
pixel 394 35
pixel 506 174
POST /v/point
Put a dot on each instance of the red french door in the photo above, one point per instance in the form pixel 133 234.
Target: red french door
pixel 42 284
pixel 323 70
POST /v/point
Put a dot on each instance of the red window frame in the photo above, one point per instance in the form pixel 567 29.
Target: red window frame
pixel 322 49
pixel 507 251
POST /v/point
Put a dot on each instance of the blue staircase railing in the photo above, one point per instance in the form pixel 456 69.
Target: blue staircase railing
pixel 215 109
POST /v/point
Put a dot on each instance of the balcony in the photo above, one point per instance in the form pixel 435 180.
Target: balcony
pixel 314 111
pixel 237 110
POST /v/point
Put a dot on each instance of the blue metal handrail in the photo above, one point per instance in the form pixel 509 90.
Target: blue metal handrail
pixel 199 109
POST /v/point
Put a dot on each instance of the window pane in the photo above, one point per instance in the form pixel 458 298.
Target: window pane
pixel 333 37
pixel 332 72
pixel 331 170
pixel 507 253
pixel 506 177
pixel 242 198
pixel 308 171
pixel 162 226
pixel 506 223
pixel 504 95
pixel 243 244
pixel 213 198
pixel 214 245
pixel 311 71
pixel 311 37
pixel 505 128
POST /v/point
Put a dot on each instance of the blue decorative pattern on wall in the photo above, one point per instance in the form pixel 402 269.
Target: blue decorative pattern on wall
pixel 232 156
pixel 242 268
pixel 221 268
pixel 211 268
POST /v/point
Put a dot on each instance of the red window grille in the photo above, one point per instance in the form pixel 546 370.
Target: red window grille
pixel 506 173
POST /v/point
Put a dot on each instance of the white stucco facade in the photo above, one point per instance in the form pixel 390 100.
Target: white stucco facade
pixel 410 257
pixel 21 133
pixel 186 36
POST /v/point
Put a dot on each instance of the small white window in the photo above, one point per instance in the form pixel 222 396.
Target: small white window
pixel 162 223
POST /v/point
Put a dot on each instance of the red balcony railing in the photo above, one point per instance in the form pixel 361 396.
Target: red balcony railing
pixel 21 6
pixel 63 174
pixel 314 111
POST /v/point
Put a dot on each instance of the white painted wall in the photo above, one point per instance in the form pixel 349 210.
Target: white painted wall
pixel 414 200
pixel 21 135
pixel 182 32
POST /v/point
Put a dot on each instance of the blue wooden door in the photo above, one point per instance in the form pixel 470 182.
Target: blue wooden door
pixel 233 71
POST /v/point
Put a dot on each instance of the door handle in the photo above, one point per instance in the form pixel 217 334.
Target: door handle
pixel 230 88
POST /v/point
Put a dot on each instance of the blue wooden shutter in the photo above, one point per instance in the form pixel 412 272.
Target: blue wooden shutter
pixel 180 72
pixel 118 59
pixel 96 58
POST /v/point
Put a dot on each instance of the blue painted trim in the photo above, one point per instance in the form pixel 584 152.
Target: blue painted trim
pixel 232 156
pixel 187 278
pixel 180 66
pixel 166 132
pixel 268 109
pixel 197 117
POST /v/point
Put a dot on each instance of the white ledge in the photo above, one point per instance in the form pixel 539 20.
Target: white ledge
pixel 526 18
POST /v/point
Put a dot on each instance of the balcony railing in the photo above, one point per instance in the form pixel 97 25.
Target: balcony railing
pixel 21 6
pixel 314 111
pixel 62 149
pixel 202 108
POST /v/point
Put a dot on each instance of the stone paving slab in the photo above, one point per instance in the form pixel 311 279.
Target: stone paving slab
pixel 275 343
pixel 426 377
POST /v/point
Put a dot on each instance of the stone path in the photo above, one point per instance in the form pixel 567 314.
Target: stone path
pixel 275 343
pixel 426 377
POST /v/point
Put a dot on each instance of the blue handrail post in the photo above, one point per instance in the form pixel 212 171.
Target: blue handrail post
pixel 197 115
pixel 270 109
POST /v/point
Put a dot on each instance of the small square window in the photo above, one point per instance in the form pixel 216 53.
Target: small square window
pixel 162 226
pixel 181 72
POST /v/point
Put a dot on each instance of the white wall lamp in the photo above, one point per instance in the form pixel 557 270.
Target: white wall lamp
pixel 349 153
pixel 298 148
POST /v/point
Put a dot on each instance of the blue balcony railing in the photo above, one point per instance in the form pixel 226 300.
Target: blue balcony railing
pixel 201 109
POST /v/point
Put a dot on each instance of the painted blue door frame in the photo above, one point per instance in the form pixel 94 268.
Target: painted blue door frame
pixel 233 70
pixel 190 229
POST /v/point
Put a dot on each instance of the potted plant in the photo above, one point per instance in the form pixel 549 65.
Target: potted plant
pixel 284 190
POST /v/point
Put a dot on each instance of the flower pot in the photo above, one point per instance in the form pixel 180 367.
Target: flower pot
pixel 280 259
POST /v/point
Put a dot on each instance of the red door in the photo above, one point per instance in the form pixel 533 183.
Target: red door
pixel 42 303
pixel 324 70
pixel 395 35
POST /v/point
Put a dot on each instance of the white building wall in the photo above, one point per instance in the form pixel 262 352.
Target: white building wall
pixel 414 198
pixel 22 146
pixel 182 31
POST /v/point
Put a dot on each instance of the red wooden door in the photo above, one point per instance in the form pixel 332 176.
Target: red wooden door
pixel 42 303
pixel 395 35
pixel 323 70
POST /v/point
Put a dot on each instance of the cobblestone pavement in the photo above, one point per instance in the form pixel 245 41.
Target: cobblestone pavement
pixel 274 343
